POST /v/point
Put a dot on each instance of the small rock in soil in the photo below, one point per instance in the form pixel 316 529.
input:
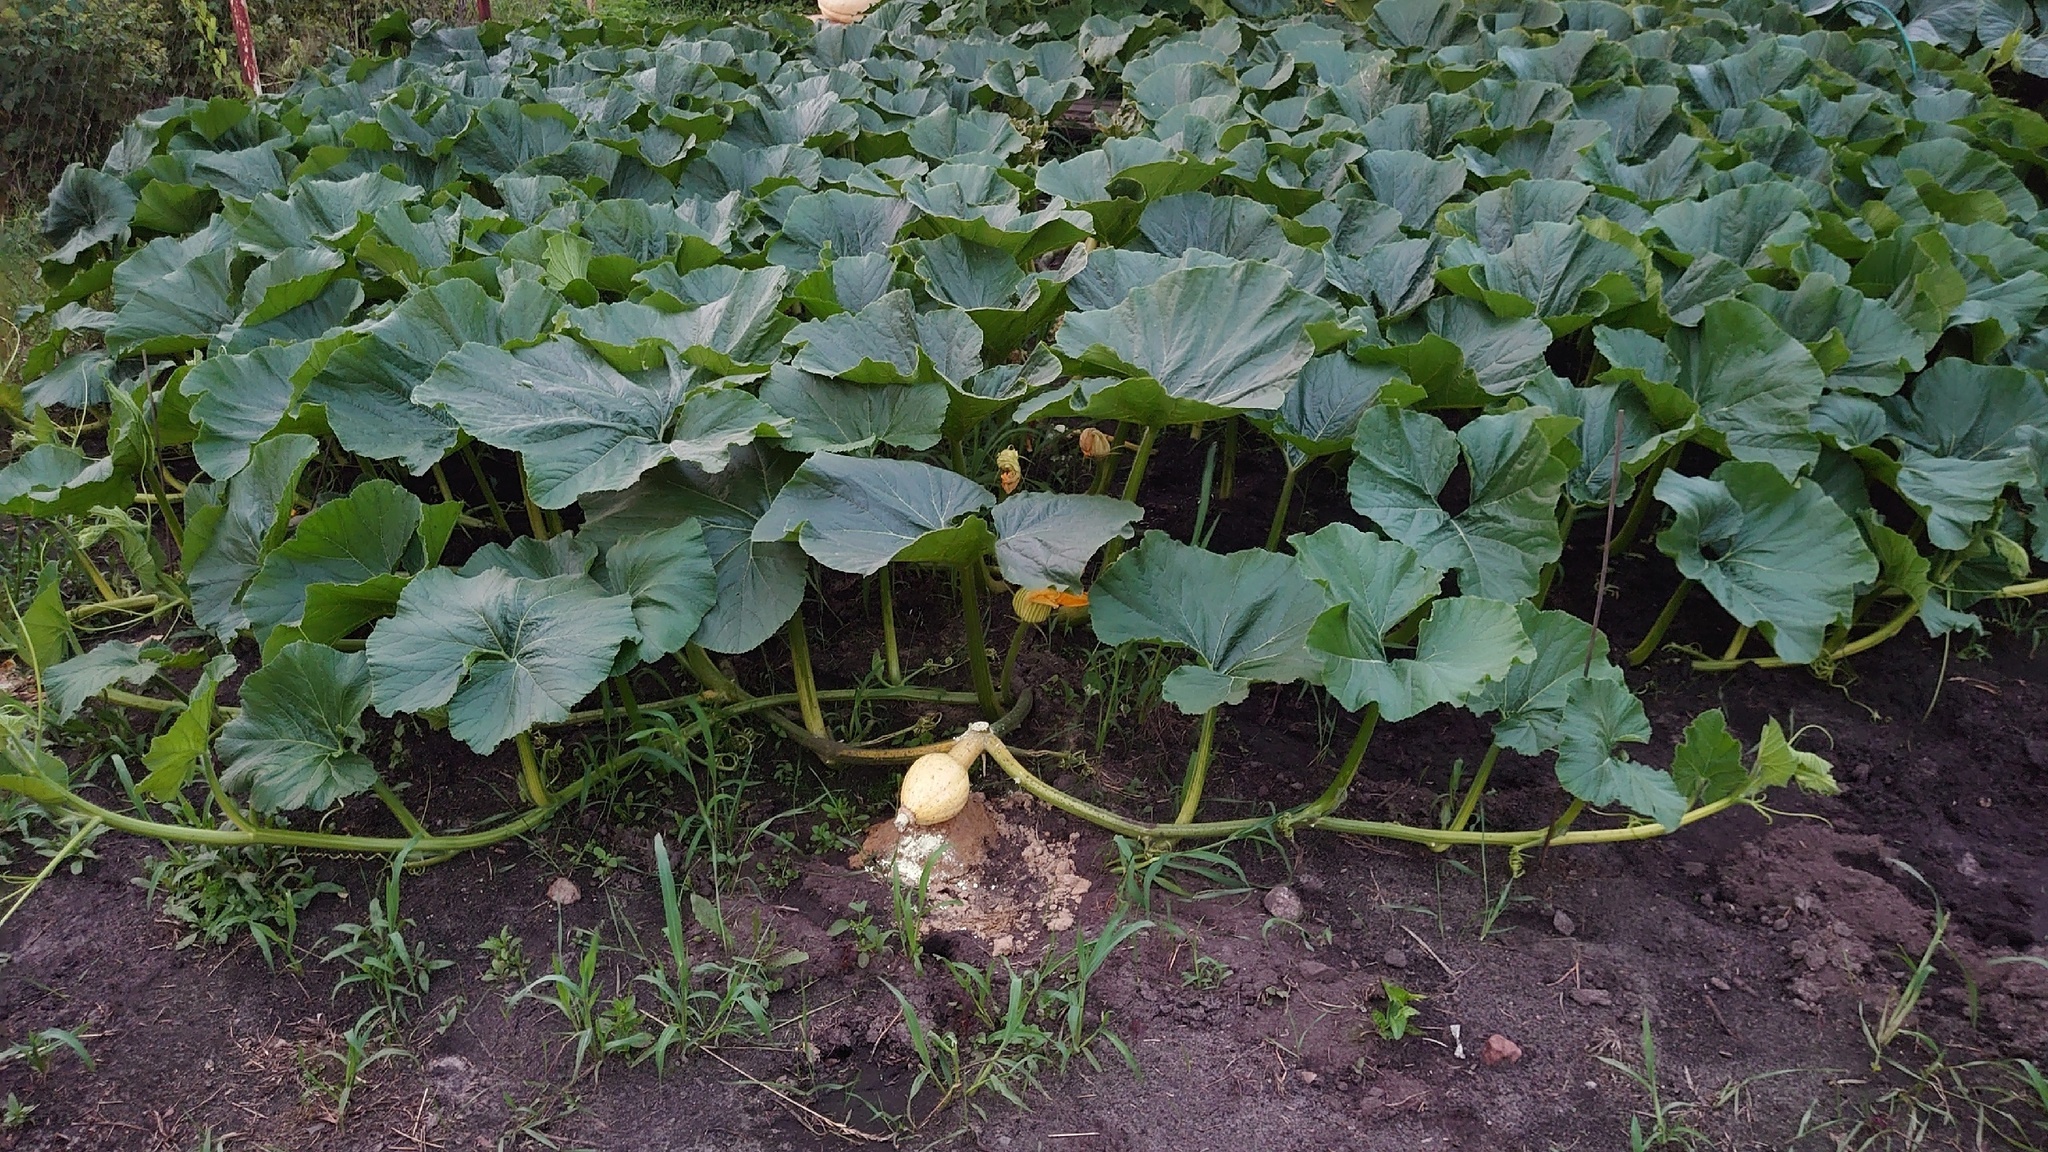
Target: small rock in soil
pixel 1314 969
pixel 2037 751
pixel 1309 882
pixel 1593 997
pixel 1718 983
pixel 563 891
pixel 1564 923
pixel 1695 868
pixel 1395 958
pixel 1282 902
pixel 1500 1050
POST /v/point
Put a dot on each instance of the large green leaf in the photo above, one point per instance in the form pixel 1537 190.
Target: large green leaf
pixel 1244 616
pixel 1321 411
pixel 1045 540
pixel 1777 555
pixel 1559 273
pixel 1196 344
pixel 738 333
pixel 826 415
pixel 359 537
pixel 225 542
pixel 760 583
pixel 1861 343
pixel 857 515
pixel 366 383
pixel 890 342
pixel 297 742
pixel 87 207
pixel 58 480
pixel 1373 586
pixel 668 575
pixel 1507 531
pixel 86 675
pixel 1968 433
pixel 240 399
pixel 1531 698
pixel 499 652
pixel 580 425
pixel 1599 717
pixel 1747 380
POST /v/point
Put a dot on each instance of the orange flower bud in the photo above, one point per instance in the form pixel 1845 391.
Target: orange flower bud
pixel 1095 444
pixel 1009 470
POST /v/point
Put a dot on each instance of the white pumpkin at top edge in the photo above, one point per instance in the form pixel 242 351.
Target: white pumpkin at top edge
pixel 844 11
pixel 935 789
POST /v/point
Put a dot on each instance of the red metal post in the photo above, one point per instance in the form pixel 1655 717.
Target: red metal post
pixel 245 45
pixel 483 10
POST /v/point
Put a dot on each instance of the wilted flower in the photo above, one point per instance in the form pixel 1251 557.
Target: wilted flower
pixel 1095 444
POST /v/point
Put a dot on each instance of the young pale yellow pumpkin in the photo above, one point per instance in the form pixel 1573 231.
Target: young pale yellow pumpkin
pixel 844 11
pixel 936 787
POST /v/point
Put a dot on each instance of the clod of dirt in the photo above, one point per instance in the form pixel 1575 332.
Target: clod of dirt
pixel 1499 1050
pixel 1564 923
pixel 997 878
pixel 962 843
pixel 1395 958
pixel 1283 903
pixel 1592 997
pixel 563 891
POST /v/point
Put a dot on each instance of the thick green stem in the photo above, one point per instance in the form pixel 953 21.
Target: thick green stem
pixel 92 570
pixel 1136 476
pixel 977 640
pixel 1008 685
pixel 1198 770
pixel 1861 644
pixel 1131 483
pixel 892 659
pixel 1279 527
pixel 959 456
pixel 2021 591
pixel 806 684
pixel 441 482
pixel 1229 480
pixel 1640 506
pixel 1735 644
pixel 626 698
pixel 1473 793
pixel 142 602
pixel 1339 787
pixel 1105 468
pixel 529 771
pixel 1220 829
pixel 1564 821
pixel 1643 651
pixel 536 521
pixel 163 502
pixel 397 806
pixel 476 472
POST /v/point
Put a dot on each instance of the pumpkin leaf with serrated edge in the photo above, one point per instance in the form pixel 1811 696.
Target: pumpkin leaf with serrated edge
pixel 1774 554
pixel 1245 616
pixel 1508 530
pixel 1196 344
pixel 1045 540
pixel 1373 585
pixel 1531 698
pixel 1599 716
pixel 501 653
pixel 297 741
pixel 760 583
pixel 857 515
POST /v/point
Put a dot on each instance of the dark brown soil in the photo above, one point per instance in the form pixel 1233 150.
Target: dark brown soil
pixel 1760 945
